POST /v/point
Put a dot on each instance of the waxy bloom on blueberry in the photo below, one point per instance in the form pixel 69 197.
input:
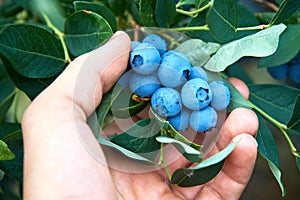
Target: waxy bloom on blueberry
pixel 196 94
pixel 156 41
pixel 174 69
pixel 144 59
pixel 203 120
pixel 166 102
pixel 220 95
pixel 143 85
pixel 198 72
pixel 181 121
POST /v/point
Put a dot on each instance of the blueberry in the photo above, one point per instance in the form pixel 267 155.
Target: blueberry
pixel 296 59
pixel 196 94
pixel 134 44
pixel 198 72
pixel 156 41
pixel 181 121
pixel 144 59
pixel 174 69
pixel 279 72
pixel 143 85
pixel 220 95
pixel 166 102
pixel 203 120
pixel 294 72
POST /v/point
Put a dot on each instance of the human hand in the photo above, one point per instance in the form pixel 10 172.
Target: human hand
pixel 58 165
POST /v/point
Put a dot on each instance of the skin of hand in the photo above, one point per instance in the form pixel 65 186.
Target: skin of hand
pixel 58 166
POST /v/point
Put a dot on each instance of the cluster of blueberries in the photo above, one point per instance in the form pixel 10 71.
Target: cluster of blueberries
pixel 290 69
pixel 179 92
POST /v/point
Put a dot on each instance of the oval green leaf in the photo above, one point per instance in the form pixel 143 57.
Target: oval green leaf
pixel 140 138
pixel 123 150
pixel 100 9
pixel 84 31
pixel 187 151
pixel 165 13
pixel 5 152
pixel 285 51
pixel 147 12
pixel 268 149
pixel 222 19
pixel 203 172
pixel 246 46
pixel 281 102
pixel 286 9
pixel 33 52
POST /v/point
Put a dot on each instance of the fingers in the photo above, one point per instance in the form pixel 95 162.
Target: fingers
pixel 92 74
pixel 240 86
pixel 236 172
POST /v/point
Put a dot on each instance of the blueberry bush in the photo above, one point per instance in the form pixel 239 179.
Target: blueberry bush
pixel 39 38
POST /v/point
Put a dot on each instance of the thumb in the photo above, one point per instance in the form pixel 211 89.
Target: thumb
pixel 90 75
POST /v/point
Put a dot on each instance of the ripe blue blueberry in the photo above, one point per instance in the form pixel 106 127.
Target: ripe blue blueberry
pixel 156 41
pixel 196 94
pixel 198 72
pixel 279 72
pixel 174 69
pixel 166 102
pixel 144 59
pixel 143 85
pixel 203 120
pixel 294 72
pixel 220 95
pixel 181 121
pixel 134 44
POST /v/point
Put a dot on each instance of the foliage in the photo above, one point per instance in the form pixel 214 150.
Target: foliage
pixel 38 39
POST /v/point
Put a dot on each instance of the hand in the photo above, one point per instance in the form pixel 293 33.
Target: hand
pixel 58 164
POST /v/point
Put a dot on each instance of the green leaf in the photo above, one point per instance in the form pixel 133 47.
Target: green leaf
pixel 286 9
pixel 84 31
pixel 32 51
pixel 285 51
pixel 14 167
pixel 7 130
pixel 187 151
pixel 99 8
pixel 222 19
pixel 236 70
pixel 108 98
pixel 203 172
pixel 147 10
pixel 7 92
pixel 125 107
pixel 140 138
pixel 298 162
pixel 51 9
pixel 117 6
pixel 31 86
pixel 123 150
pixel 1 176
pixel 5 152
pixel 281 102
pixel 202 50
pixel 165 12
pixel 237 100
pixel 268 149
pixel 246 46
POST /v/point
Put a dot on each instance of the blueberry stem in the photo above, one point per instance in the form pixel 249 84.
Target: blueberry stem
pixel 60 36
pixel 192 13
pixel 163 161
pixel 268 117
pixel 206 28
pixel 293 149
